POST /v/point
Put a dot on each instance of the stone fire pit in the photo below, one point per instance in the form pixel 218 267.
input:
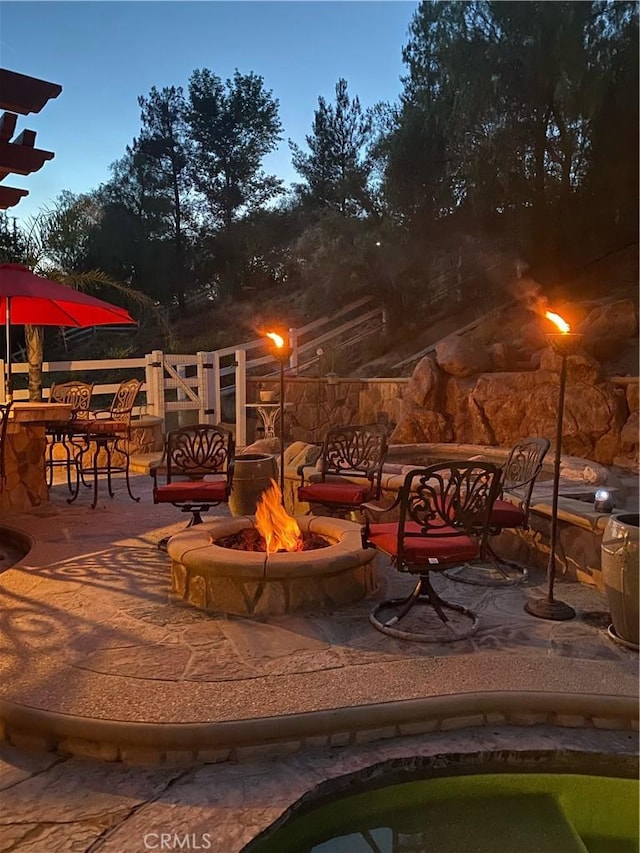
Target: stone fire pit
pixel 252 583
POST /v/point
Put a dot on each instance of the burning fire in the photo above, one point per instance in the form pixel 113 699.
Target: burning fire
pixel 277 339
pixel 564 327
pixel 279 530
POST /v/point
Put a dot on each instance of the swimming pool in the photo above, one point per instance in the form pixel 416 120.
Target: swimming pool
pixel 471 812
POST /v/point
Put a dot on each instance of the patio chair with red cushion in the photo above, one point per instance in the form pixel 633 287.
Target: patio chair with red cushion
pixel 350 469
pixel 510 511
pixel 102 441
pixel 60 433
pixel 197 468
pixel 444 512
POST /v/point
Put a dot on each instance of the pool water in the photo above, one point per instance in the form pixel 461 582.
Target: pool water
pixel 506 812
pixel 14 546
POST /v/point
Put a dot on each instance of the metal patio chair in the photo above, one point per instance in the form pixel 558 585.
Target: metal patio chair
pixel 444 512
pixel 197 466
pixel 106 434
pixel 59 434
pixel 350 469
pixel 510 511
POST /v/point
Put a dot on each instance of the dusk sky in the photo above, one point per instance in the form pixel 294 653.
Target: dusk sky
pixel 106 54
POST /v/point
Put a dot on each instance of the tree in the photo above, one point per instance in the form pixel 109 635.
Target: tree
pixel 610 198
pixel 12 243
pixel 233 126
pixel 337 168
pixel 164 141
pixel 495 126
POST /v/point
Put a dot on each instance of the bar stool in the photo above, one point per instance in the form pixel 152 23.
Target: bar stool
pixel 106 435
pixel 59 434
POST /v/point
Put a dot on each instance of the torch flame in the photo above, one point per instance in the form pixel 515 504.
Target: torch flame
pixel 560 323
pixel 279 530
pixel 277 339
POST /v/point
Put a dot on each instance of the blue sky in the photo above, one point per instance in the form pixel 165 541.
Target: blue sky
pixel 106 54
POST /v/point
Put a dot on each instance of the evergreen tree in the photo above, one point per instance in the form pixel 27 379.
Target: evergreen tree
pixel 233 126
pixel 337 168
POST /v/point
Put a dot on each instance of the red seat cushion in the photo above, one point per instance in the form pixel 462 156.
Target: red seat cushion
pixel 202 491
pixel 444 550
pixel 505 514
pixel 350 494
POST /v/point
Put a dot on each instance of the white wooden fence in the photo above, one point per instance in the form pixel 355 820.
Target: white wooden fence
pixel 212 385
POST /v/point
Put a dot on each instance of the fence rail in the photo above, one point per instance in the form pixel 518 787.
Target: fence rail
pixel 213 384
pixel 73 335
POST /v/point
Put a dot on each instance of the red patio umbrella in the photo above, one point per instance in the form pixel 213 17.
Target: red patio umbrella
pixel 27 298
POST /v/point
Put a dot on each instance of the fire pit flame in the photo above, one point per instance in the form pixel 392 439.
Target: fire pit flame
pixel 562 325
pixel 279 530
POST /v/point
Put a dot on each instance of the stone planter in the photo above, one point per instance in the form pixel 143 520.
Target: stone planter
pixel 620 574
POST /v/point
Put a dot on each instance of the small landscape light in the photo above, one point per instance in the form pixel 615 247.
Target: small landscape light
pixel 603 501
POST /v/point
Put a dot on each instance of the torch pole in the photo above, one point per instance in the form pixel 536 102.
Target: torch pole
pixel 282 353
pixel 548 608
pixel 282 429
pixel 551 567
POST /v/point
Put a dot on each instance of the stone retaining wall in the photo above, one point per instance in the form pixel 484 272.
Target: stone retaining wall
pixel 320 404
pixel 601 417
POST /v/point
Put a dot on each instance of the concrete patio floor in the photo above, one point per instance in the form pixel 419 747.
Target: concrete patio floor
pixel 98 661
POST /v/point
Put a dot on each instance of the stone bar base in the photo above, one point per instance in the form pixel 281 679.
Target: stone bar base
pixel 250 583
pixel 24 486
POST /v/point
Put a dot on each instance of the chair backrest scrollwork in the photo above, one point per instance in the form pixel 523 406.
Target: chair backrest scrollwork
pixel 521 469
pixel 447 499
pixel 200 450
pixel 124 399
pixel 77 394
pixel 356 451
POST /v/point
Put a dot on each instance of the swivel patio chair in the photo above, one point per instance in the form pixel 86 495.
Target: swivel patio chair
pixel 60 434
pixel 197 465
pixel 106 434
pixel 444 512
pixel 350 469
pixel 518 478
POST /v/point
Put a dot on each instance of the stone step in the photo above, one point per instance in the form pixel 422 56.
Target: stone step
pixel 142 463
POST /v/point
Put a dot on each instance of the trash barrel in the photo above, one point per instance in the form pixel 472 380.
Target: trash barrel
pixel 252 474
pixel 619 561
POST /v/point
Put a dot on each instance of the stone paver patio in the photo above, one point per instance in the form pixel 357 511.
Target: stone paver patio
pixel 98 661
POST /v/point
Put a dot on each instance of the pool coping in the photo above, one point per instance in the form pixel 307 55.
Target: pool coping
pixel 240 740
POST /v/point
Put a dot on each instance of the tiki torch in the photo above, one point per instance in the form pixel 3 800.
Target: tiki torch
pixel 565 344
pixel 282 353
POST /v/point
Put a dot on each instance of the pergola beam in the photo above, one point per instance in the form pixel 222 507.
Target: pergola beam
pixel 24 95
pixel 10 196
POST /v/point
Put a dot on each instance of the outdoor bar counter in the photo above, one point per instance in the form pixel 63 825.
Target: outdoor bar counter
pixel 25 485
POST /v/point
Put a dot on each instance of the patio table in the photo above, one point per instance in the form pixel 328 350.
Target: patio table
pixel 269 415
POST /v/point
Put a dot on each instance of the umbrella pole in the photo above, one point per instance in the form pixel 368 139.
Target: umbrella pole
pixel 8 390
